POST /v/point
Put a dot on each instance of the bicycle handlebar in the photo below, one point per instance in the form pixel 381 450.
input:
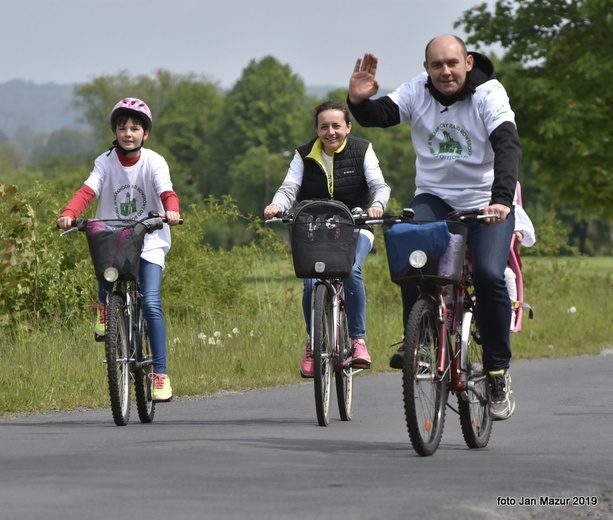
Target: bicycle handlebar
pixel 152 222
pixel 360 217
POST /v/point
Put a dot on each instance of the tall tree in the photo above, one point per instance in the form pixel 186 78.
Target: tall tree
pixel 267 107
pixel 558 66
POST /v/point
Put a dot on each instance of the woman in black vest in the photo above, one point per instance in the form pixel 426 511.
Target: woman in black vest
pixel 339 166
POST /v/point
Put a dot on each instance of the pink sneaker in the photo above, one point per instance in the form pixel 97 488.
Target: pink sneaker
pixel 306 368
pixel 360 352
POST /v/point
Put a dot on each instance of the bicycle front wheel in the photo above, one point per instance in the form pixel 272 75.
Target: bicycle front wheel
pixel 142 380
pixel 322 348
pixel 343 374
pixel 472 404
pixel 425 392
pixel 117 350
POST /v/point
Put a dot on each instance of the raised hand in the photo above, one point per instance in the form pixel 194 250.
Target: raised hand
pixel 363 84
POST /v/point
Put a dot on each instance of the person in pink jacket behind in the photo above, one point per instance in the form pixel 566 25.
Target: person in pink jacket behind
pixel 524 234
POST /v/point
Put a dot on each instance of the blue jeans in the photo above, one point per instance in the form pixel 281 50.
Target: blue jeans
pixel 489 251
pixel 355 294
pixel 150 285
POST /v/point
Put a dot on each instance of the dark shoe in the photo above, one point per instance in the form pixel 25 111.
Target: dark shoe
pixel 502 401
pixel 397 359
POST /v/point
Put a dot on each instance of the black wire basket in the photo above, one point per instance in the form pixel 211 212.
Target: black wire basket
pixel 323 238
pixel 116 243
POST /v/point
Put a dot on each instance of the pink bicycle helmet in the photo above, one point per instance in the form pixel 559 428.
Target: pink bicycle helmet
pixel 128 105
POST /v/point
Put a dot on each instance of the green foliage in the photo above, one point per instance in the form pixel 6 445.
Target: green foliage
pixel 267 107
pixel 19 256
pixel 561 94
pixel 196 272
pixel 33 263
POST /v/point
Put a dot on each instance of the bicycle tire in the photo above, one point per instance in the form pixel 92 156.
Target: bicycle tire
pixel 472 404
pixel 322 348
pixel 425 393
pixel 143 384
pixel 117 351
pixel 343 374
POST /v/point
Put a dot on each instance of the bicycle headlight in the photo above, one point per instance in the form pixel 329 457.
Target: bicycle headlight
pixel 418 259
pixel 111 274
pixel 320 267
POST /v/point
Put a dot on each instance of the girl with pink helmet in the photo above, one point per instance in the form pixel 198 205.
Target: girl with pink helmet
pixel 130 172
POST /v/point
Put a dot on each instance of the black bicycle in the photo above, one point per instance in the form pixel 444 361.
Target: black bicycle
pixel 323 235
pixel 115 247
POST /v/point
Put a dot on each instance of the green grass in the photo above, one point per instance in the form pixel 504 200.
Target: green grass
pixel 260 344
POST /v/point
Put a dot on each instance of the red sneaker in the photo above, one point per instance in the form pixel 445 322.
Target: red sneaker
pixel 306 368
pixel 360 352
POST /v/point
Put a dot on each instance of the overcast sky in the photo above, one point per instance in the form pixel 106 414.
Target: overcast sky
pixel 74 41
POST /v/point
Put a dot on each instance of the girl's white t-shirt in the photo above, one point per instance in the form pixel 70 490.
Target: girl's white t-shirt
pixel 455 160
pixel 131 192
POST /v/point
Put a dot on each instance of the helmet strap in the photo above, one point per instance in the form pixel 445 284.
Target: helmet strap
pixel 123 150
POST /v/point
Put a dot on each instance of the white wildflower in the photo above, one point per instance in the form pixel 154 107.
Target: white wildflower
pixel 217 334
pixel 211 341
pixel 202 336
pixel 235 330
pixel 176 341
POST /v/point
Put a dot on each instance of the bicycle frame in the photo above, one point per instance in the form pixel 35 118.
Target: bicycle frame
pixel 129 292
pixel 454 331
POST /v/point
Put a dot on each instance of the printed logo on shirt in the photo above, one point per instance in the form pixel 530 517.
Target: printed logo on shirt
pixel 129 202
pixel 449 142
pixel 501 111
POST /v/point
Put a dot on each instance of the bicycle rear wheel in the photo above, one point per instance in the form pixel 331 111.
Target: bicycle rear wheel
pixel 343 374
pixel 425 393
pixel 322 348
pixel 472 404
pixel 142 382
pixel 117 350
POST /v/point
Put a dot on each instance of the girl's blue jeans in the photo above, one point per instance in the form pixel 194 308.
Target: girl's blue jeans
pixel 489 251
pixel 150 285
pixel 355 294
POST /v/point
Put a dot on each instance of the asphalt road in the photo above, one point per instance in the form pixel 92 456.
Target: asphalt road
pixel 261 455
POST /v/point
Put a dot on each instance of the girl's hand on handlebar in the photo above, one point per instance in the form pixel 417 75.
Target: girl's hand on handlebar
pixel 172 218
pixel 64 223
pixel 500 212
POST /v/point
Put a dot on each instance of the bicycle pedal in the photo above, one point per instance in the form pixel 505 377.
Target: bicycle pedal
pixel 99 339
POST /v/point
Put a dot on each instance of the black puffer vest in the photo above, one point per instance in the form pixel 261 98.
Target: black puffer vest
pixel 349 182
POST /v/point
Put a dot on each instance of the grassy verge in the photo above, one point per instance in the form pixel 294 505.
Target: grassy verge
pixel 54 367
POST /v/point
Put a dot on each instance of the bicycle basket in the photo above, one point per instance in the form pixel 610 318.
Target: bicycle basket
pixel 117 244
pixel 323 237
pixel 444 244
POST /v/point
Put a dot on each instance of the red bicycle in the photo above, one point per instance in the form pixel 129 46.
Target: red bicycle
pixel 442 347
